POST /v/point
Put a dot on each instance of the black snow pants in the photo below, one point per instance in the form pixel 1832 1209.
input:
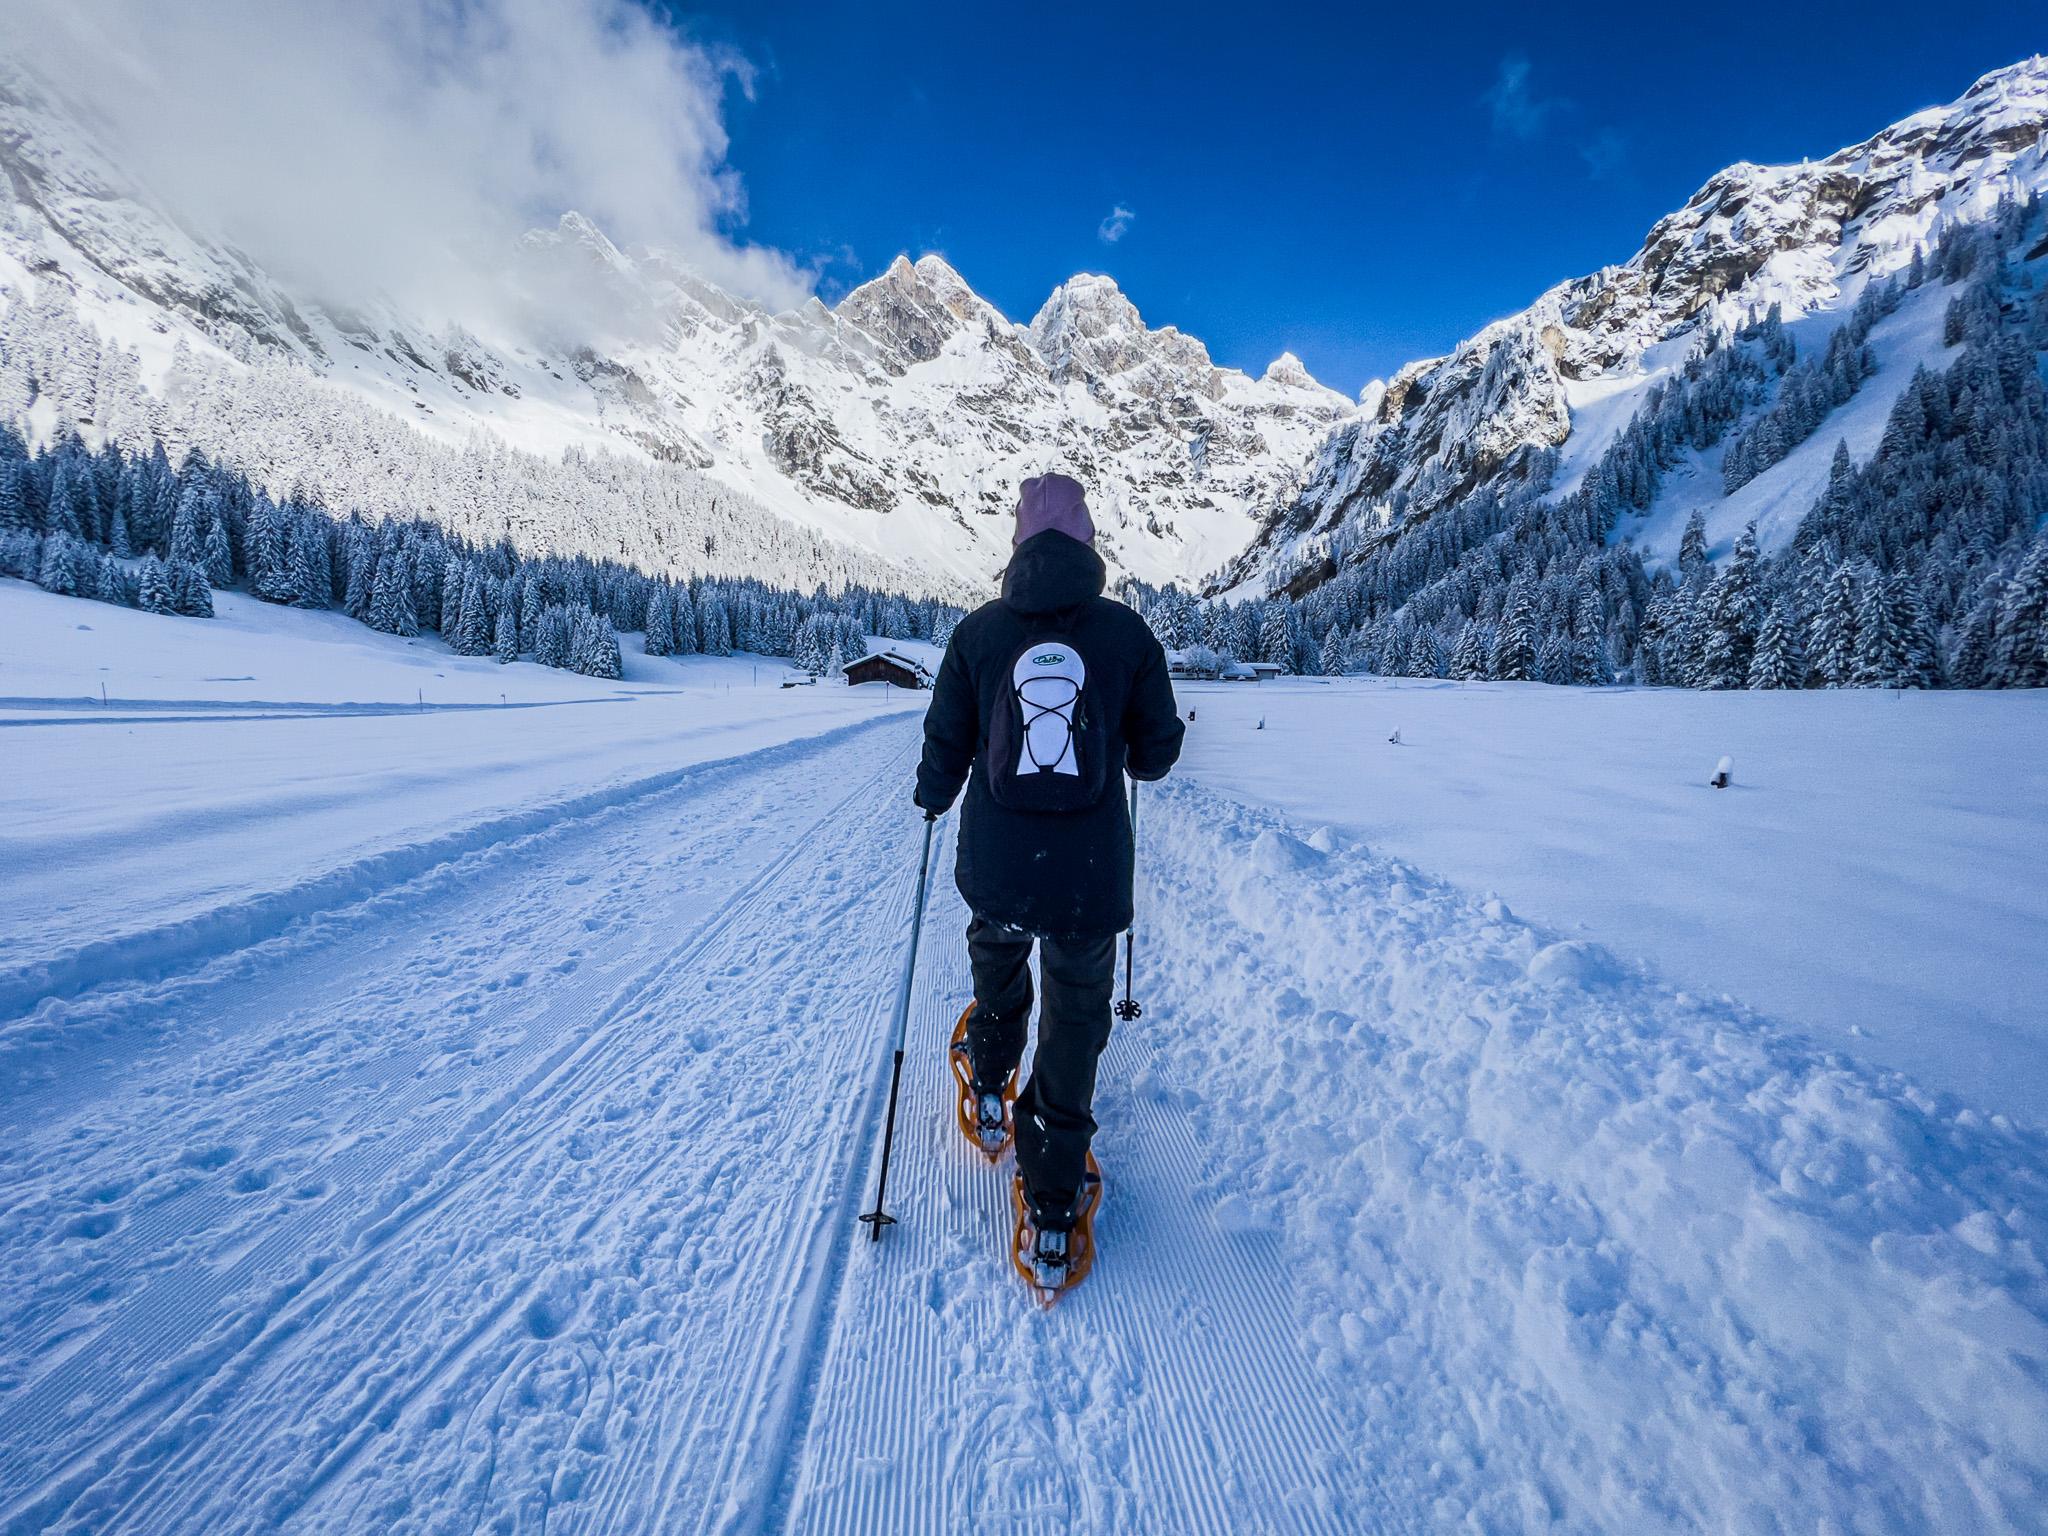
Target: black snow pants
pixel 1054 1125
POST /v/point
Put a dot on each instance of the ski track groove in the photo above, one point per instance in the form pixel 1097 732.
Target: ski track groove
pixel 299 1305
pixel 1173 1309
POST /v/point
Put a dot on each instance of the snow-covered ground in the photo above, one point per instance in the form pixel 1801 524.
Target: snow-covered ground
pixel 1875 876
pixel 510 1183
pixel 265 764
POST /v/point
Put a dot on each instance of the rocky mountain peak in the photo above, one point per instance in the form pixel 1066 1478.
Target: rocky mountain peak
pixel 1089 330
pixel 1287 369
pixel 914 307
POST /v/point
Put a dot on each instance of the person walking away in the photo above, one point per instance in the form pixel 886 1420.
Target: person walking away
pixel 1046 699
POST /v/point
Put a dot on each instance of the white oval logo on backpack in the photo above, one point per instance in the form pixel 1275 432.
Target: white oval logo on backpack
pixel 1048 687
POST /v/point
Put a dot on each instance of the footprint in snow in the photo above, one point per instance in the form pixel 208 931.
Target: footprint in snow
pixel 92 1226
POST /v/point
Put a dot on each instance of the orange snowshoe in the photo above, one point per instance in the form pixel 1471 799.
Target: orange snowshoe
pixel 986 1126
pixel 1053 1263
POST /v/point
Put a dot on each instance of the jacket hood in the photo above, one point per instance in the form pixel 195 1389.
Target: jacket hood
pixel 1051 571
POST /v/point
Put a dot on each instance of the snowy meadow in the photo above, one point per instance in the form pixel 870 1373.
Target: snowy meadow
pixel 438 1093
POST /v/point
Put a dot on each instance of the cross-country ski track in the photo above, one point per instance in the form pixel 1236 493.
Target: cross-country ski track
pixel 519 1194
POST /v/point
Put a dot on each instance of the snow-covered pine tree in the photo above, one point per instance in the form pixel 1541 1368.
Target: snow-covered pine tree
pixel 1425 655
pixel 807 654
pixel 1777 661
pixel 1893 649
pixel 552 635
pixel 1274 644
pixel 1468 661
pixel 68 511
pixel 714 628
pixel 594 649
pixel 1589 664
pixel 391 604
pixel 312 573
pixel 155 592
pixel 1514 645
pixel 59 572
pixel 505 644
pixel 851 642
pixel 1832 643
pixel 683 622
pixel 14 507
pixel 473 634
pixel 449 612
pixel 219 558
pixel 2019 646
pixel 1730 619
pixel 1330 659
pixel 656 624
pixel 530 606
pixel 192 596
pixel 1917 661
pixel 1693 566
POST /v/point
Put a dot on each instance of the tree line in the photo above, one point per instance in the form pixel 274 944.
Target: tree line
pixel 142 532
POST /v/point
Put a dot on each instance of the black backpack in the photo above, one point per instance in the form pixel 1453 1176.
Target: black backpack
pixel 1048 743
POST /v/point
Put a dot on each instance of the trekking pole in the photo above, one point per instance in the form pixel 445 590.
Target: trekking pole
pixel 1128 1008
pixel 877 1219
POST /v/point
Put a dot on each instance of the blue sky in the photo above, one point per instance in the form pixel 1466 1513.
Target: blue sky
pixel 1362 185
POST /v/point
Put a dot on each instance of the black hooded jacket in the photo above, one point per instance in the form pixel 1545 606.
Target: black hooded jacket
pixel 1068 876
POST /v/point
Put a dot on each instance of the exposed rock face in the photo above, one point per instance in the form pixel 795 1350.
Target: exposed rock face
pixel 1804 237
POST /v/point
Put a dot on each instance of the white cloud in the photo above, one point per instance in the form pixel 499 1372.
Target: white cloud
pixel 1605 154
pixel 1517 111
pixel 366 147
pixel 1115 225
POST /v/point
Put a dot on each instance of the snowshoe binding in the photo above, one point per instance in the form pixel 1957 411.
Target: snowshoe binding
pixel 1052 1261
pixel 984 1117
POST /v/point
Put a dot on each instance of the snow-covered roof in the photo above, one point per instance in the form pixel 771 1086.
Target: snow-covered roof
pixel 909 664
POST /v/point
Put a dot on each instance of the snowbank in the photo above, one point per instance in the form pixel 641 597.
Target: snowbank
pixel 1571 1248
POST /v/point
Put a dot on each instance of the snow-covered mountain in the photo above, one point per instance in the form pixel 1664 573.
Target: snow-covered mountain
pixel 616 403
pixel 896 424
pixel 1565 374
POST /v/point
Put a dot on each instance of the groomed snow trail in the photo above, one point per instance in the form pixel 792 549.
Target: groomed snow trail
pixel 1169 1392
pixel 519 1195
pixel 490 1196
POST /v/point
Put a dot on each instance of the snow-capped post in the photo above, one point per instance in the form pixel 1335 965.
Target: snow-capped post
pixel 877 1219
pixel 1395 739
pixel 1128 1009
pixel 1724 773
